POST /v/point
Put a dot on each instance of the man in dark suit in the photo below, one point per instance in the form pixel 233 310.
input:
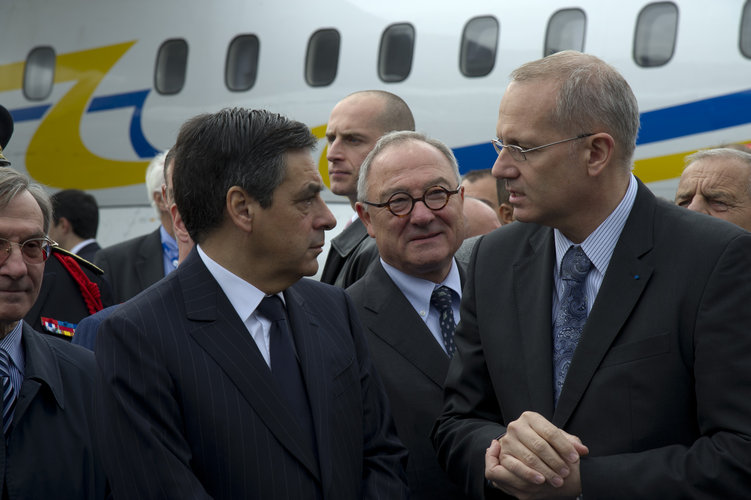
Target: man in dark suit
pixel 604 345
pixel 354 126
pixel 75 220
pixel 233 378
pixel 46 410
pixel 410 340
pixel 135 264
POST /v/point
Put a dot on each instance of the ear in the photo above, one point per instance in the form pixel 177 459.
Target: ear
pixel 600 153
pixel 64 225
pixel 241 208
pixel 506 213
pixel 364 215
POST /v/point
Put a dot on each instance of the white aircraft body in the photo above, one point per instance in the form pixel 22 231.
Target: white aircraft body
pixel 96 88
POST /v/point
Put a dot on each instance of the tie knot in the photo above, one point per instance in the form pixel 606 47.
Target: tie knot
pixel 441 298
pixel 575 265
pixel 271 308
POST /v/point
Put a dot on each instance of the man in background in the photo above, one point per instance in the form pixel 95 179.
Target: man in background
pixel 354 126
pixel 75 220
pixel 133 265
pixel 717 182
pixel 482 185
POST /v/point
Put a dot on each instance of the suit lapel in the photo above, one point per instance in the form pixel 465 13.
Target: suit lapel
pixel 220 332
pixel 409 336
pixel 312 344
pixel 625 280
pixel 533 289
pixel 149 268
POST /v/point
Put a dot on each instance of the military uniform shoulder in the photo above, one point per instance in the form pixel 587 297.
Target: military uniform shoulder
pixel 80 260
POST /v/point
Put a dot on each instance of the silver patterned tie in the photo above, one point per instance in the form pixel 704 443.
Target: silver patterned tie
pixel 9 394
pixel 572 313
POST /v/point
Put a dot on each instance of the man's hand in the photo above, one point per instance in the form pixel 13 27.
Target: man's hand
pixel 535 459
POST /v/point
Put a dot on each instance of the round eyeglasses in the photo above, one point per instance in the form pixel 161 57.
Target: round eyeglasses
pixel 33 251
pixel 401 203
pixel 519 154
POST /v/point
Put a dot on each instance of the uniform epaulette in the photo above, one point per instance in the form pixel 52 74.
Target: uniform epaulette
pixel 81 261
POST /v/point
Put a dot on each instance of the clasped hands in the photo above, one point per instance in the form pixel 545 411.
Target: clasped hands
pixel 535 459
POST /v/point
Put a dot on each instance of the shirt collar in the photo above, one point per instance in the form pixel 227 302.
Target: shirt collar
pixel 166 238
pixel 600 244
pixel 79 246
pixel 12 345
pixel 417 290
pixel 243 296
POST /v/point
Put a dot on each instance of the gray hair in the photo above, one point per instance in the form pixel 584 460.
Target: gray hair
pixel 13 183
pixel 724 154
pixel 393 139
pixel 592 95
pixel 155 176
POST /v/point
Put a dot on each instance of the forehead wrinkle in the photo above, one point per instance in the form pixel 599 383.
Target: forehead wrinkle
pixel 435 181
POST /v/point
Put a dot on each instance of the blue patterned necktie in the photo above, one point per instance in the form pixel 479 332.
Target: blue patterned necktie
pixel 441 300
pixel 572 313
pixel 9 394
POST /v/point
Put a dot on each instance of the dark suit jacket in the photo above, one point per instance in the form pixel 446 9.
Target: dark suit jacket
pixel 49 450
pixel 60 296
pixel 86 330
pixel 87 252
pixel 658 388
pixel 413 367
pixel 133 265
pixel 189 409
pixel 351 254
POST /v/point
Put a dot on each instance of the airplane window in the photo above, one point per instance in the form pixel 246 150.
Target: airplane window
pixel 242 63
pixel 395 53
pixel 322 60
pixel 656 32
pixel 479 44
pixel 745 40
pixel 566 30
pixel 171 66
pixel 39 73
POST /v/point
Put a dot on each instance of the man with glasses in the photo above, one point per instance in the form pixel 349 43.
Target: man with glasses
pixel 410 201
pixel 46 384
pixel 604 347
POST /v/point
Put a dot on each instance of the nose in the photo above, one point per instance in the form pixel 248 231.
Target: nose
pixel 333 150
pixel 504 166
pixel 421 214
pixel 699 204
pixel 325 219
pixel 14 265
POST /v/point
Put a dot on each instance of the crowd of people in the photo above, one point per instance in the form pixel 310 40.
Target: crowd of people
pixel 547 328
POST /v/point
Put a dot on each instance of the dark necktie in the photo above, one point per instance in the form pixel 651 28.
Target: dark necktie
pixel 441 300
pixel 572 313
pixel 284 366
pixel 9 394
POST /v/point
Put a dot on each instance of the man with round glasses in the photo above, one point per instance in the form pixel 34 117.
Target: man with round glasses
pixel 410 201
pixel 604 347
pixel 46 384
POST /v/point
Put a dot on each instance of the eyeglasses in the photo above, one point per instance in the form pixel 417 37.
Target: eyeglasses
pixel 401 204
pixel 33 251
pixel 519 153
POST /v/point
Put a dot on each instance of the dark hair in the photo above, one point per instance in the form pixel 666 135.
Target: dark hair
pixel 80 208
pixel 234 147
